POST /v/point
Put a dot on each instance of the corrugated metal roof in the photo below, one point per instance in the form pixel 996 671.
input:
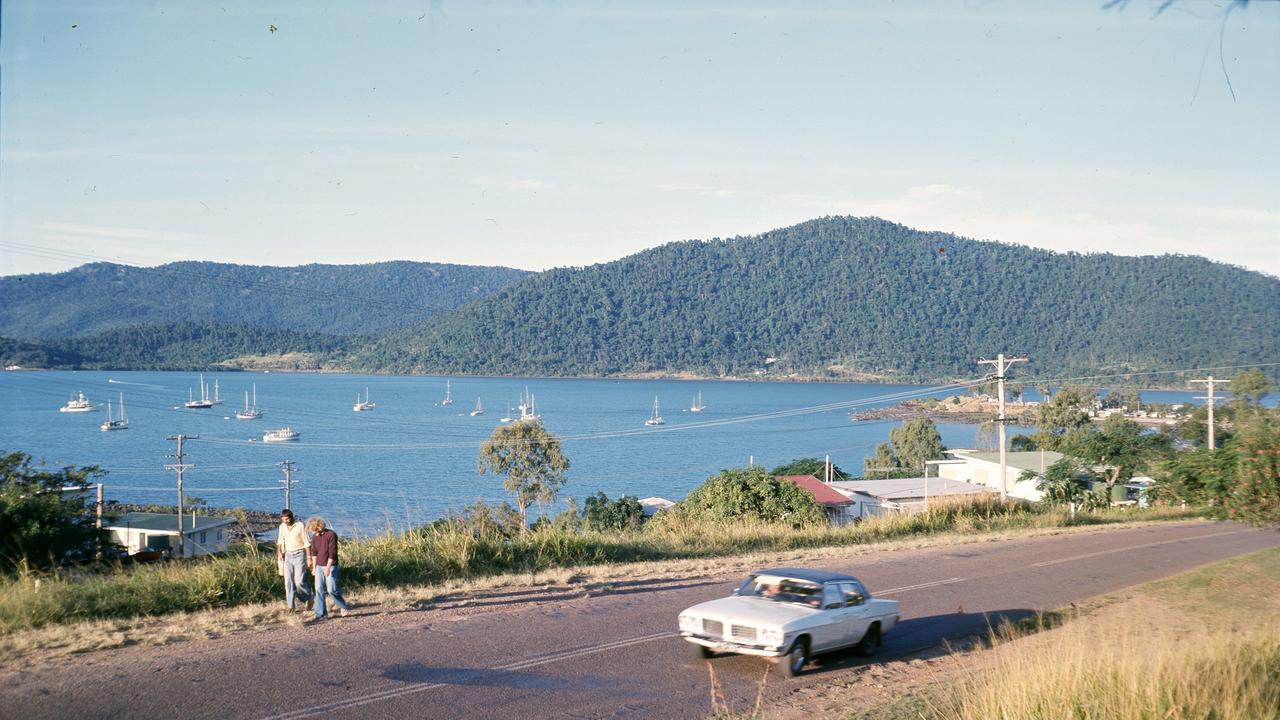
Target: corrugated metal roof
pixel 823 494
pixel 167 522
pixel 904 488
pixel 1031 460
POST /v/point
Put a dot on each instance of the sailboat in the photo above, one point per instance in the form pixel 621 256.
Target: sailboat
pixel 479 409
pixel 656 419
pixel 448 395
pixel 507 417
pixel 78 403
pixel 697 405
pixel 115 423
pixel 362 405
pixel 528 406
pixel 250 413
pixel 204 401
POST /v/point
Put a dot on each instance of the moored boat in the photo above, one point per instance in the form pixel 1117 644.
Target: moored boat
pixel 77 403
pixel 284 434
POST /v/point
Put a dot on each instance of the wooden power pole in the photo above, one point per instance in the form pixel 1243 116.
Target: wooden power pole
pixel 1002 364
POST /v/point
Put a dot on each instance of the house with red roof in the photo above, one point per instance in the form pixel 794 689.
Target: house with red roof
pixel 837 507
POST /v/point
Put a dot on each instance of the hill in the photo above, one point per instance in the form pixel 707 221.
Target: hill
pixel 329 299
pixel 846 297
pixel 182 346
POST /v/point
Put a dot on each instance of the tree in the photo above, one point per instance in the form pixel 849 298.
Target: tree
pixel 1127 398
pixel 43 525
pixel 811 466
pixel 1251 386
pixel 1061 482
pixel 1059 418
pixel 532 460
pixel 909 446
pixel 1255 495
pixel 752 495
pixel 1116 450
pixel 601 513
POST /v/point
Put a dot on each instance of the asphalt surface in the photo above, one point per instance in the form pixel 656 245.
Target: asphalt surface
pixel 553 652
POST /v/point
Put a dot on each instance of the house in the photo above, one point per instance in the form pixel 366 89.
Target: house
pixel 652 505
pixel 137 531
pixel 983 468
pixel 905 495
pixel 835 506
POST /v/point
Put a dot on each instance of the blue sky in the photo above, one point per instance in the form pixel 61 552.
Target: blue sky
pixel 543 134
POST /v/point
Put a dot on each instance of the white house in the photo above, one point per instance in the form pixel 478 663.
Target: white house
pixel 983 468
pixel 137 531
pixel 652 505
pixel 907 495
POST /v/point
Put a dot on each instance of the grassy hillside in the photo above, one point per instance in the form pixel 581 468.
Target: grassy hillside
pixel 331 299
pixel 842 296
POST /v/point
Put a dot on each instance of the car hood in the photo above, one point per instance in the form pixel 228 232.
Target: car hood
pixel 756 612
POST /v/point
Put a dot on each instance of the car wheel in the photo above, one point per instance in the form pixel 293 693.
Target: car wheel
pixel 704 652
pixel 794 661
pixel 870 642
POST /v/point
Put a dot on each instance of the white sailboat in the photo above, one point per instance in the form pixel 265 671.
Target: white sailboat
pixel 204 401
pixel 120 423
pixel 77 403
pixel 528 406
pixel 363 405
pixel 697 405
pixel 506 418
pixel 448 394
pixel 479 409
pixel 657 418
pixel 250 413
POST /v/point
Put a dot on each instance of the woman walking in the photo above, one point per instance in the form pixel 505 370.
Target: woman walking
pixel 324 565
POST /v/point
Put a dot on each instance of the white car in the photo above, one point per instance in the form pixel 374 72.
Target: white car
pixel 791 614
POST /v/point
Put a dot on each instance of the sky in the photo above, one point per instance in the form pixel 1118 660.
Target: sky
pixel 545 134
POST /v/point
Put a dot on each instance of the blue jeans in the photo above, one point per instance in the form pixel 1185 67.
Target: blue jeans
pixel 295 577
pixel 327 585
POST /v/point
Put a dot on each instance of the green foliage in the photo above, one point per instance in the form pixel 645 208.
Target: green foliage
pixel 1127 398
pixel 810 294
pixel 532 460
pixel 750 495
pixel 811 466
pixel 1059 418
pixel 1255 496
pixel 43 526
pixel 323 299
pixel 1198 476
pixel 601 514
pixel 1251 386
pixel 1063 482
pixel 1117 450
pixel 910 446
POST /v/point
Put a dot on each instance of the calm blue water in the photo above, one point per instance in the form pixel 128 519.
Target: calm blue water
pixel 412 459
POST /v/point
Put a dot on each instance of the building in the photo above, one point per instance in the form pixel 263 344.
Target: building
pixel 838 508
pixel 903 495
pixel 652 505
pixel 137 531
pixel 983 468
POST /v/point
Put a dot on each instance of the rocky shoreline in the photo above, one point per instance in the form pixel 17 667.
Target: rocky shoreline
pixel 955 409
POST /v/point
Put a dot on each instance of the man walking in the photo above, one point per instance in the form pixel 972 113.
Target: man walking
pixel 291 549
pixel 324 561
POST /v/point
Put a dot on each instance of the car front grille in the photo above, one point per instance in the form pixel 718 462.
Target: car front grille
pixel 742 633
pixel 713 627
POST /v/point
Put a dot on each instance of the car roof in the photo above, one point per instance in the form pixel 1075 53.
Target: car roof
pixel 816 576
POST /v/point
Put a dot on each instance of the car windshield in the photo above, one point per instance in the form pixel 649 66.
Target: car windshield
pixel 782 589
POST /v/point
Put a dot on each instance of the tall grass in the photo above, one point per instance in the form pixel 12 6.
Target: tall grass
pixel 453 550
pixel 1125 670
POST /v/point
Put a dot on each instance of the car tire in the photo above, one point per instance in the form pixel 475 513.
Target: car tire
pixel 704 652
pixel 870 642
pixel 793 662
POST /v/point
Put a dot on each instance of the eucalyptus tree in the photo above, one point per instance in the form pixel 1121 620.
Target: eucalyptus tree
pixel 531 458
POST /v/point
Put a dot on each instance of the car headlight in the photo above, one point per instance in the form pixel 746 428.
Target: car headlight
pixel 771 636
pixel 690 622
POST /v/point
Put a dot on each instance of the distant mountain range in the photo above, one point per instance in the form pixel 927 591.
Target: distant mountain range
pixel 837 297
pixel 329 299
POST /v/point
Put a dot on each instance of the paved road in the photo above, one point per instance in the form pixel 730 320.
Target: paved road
pixel 552 652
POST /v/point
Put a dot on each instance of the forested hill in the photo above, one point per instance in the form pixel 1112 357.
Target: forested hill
pixel 841 296
pixel 331 299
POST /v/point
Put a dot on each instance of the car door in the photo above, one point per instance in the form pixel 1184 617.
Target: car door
pixel 830 631
pixel 855 620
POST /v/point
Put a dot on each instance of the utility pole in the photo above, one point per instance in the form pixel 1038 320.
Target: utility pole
pixel 288 482
pixel 1002 364
pixel 98 524
pixel 180 467
pixel 1209 381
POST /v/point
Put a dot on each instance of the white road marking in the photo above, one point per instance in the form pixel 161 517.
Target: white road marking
pixel 401 691
pixel 921 586
pixel 1129 548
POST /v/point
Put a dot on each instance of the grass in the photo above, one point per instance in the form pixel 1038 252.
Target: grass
pixel 1201 645
pixel 447 553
